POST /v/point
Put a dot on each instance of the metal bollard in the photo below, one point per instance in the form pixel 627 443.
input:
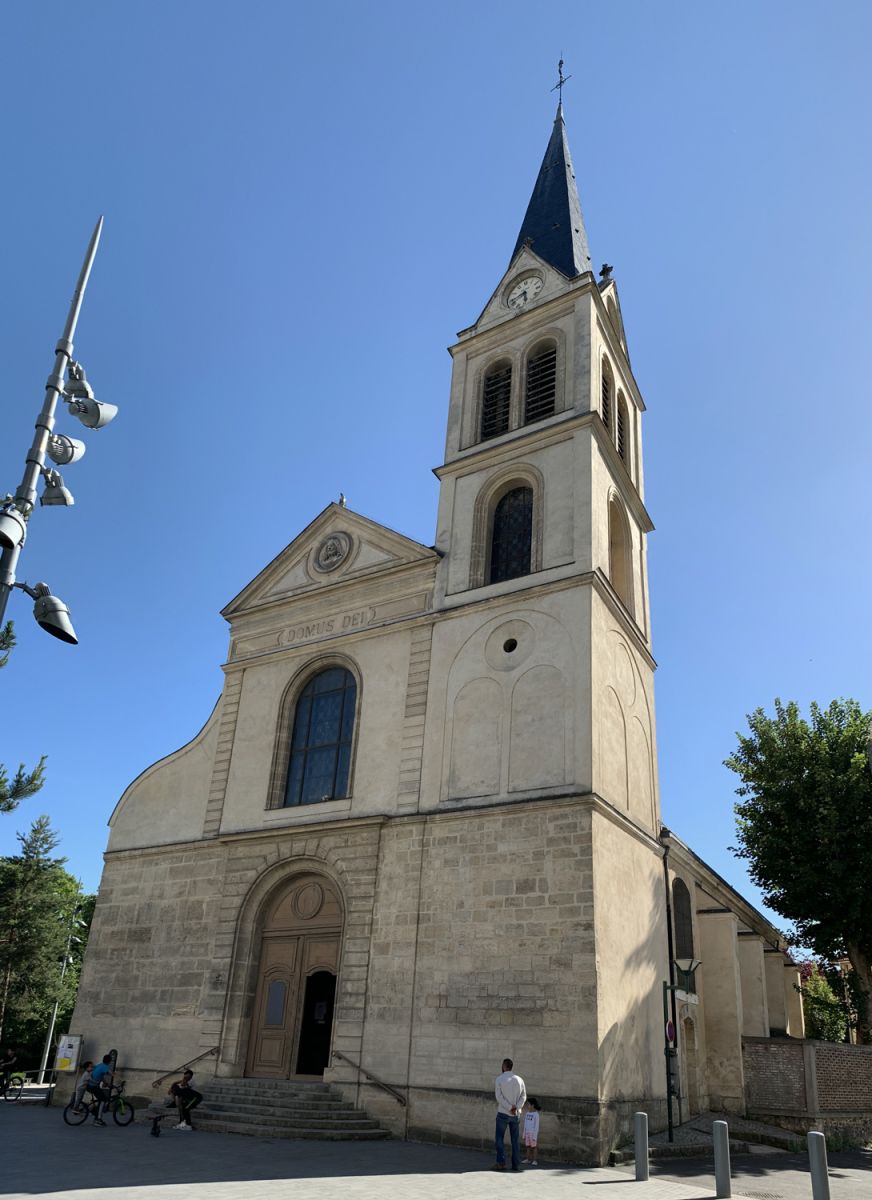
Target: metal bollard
pixel 721 1136
pixel 817 1164
pixel 640 1125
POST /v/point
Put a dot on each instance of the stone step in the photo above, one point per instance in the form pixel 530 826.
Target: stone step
pixel 351 1121
pixel 217 1125
pixel 303 1086
pixel 286 1113
pixel 246 1101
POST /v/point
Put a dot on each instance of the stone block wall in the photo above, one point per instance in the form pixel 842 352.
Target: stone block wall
pixel 149 965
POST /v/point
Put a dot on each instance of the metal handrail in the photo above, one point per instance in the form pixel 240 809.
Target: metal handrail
pixel 386 1087
pixel 189 1063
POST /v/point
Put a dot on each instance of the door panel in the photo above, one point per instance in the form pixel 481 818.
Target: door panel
pixel 275 1008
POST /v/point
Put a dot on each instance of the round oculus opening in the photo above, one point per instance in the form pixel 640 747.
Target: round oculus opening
pixel 510 644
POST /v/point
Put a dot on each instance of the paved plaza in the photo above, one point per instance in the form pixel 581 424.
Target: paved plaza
pixel 42 1157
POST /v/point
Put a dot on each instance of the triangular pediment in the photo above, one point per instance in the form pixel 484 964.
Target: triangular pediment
pixel 339 546
pixel 525 263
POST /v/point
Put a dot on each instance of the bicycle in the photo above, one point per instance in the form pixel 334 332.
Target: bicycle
pixel 12 1088
pixel 118 1104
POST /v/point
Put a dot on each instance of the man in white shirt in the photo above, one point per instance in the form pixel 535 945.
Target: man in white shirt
pixel 511 1095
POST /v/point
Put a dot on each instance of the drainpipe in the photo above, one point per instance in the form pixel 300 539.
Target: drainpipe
pixel 670 1052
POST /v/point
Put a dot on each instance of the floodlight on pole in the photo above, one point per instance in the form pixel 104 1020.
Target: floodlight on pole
pixel 15 511
pixel 50 613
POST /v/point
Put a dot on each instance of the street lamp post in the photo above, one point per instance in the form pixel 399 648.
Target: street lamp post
pixel 46 1050
pixel 15 511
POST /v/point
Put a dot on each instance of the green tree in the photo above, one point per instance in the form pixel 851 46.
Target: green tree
pixel 23 783
pixel 825 1015
pixel 805 829
pixel 40 903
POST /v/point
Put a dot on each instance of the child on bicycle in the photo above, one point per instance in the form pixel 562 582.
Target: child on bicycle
pixel 101 1074
pixel 82 1083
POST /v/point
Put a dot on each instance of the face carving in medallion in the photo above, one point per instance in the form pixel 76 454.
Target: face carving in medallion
pixel 332 552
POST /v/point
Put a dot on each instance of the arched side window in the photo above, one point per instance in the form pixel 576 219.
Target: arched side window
pixel 622 430
pixel 321 740
pixel 541 392
pixel 607 388
pixel 496 400
pixel 620 560
pixel 682 919
pixel 512 536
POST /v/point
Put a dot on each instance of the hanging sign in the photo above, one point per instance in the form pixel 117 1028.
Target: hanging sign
pixel 670 1032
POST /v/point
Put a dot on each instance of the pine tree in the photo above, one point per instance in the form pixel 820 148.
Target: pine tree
pixel 39 901
pixel 23 783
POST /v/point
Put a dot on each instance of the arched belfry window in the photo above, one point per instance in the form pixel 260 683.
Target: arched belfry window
pixel 620 559
pixel 512 535
pixel 321 739
pixel 541 390
pixel 607 388
pixel 622 428
pixel 496 399
pixel 682 920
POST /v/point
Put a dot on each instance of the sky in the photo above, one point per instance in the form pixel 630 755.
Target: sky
pixel 303 204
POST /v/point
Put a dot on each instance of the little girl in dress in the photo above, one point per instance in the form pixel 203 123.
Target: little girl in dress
pixel 531 1130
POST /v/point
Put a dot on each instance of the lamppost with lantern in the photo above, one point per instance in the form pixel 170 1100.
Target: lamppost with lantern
pixel 68 383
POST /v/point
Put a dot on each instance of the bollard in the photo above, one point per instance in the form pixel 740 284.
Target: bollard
pixel 640 1123
pixel 721 1136
pixel 817 1164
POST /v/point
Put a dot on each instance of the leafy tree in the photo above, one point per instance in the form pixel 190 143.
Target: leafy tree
pixel 39 905
pixel 825 1015
pixel 23 783
pixel 805 828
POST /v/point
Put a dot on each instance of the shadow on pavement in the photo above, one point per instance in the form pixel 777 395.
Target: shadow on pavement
pixel 43 1155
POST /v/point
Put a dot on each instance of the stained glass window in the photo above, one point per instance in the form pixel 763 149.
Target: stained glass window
pixel 321 739
pixel 512 535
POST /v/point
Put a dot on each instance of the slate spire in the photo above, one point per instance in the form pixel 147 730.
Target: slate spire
pixel 553 222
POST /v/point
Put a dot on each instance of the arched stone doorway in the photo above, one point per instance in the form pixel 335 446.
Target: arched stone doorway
pixel 292 1020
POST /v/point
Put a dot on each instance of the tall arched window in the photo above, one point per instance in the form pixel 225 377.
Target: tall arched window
pixel 496 398
pixel 321 740
pixel 622 427
pixel 682 920
pixel 620 560
pixel 541 383
pixel 607 388
pixel 512 535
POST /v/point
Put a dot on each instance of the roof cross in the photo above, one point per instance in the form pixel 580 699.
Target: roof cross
pixel 558 87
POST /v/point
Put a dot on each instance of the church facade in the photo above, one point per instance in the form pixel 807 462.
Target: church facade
pixel 420 831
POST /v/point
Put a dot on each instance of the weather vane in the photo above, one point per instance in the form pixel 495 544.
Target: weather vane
pixel 558 87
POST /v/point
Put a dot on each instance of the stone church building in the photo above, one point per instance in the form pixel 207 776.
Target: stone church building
pixel 421 829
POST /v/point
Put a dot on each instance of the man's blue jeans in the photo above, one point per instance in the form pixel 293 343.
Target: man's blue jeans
pixel 503 1119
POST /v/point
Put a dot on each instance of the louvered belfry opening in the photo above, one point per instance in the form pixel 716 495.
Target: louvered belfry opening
pixel 496 401
pixel 621 430
pixel 541 384
pixel 512 536
pixel 606 407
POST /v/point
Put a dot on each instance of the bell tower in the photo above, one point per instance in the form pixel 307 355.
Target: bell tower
pixel 542 501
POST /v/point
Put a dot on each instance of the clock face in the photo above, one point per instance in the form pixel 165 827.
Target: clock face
pixel 524 291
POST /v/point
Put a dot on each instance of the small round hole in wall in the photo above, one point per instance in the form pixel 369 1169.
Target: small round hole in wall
pixel 510 644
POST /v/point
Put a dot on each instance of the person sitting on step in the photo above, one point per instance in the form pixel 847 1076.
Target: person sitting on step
pixel 186 1098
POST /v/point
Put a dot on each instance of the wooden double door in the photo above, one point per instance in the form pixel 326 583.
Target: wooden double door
pixel 292 1022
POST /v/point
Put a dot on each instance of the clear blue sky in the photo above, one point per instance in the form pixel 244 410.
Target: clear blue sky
pixel 303 204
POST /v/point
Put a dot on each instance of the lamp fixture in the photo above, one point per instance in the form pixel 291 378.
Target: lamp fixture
pixel 50 612
pixel 79 396
pixel 55 493
pixel 64 450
